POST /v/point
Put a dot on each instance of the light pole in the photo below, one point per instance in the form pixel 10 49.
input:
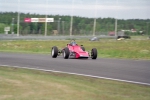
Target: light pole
pixel 147 28
pixel 59 25
pixel 46 18
pixel 18 19
pixel 12 31
pixel 71 22
pixel 116 23
pixel 94 27
pixel 63 23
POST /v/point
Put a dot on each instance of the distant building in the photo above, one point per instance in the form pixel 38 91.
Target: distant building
pixel 111 33
pixel 133 30
pixel 125 30
pixel 121 33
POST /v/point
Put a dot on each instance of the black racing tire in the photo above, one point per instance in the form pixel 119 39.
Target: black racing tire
pixel 54 52
pixel 83 48
pixel 94 53
pixel 66 53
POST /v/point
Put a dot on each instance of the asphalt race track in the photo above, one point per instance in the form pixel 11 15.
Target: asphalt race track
pixel 136 71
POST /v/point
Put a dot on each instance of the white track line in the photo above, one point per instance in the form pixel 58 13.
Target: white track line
pixel 80 75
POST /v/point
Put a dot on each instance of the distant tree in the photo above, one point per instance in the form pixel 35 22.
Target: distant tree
pixel 80 24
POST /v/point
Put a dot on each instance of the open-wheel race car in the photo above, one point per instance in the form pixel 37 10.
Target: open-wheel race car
pixel 73 50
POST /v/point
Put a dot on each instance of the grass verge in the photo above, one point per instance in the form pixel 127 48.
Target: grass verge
pixel 24 84
pixel 108 48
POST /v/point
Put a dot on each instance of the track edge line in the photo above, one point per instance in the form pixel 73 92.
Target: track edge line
pixel 127 81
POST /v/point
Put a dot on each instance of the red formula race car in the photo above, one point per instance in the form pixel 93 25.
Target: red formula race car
pixel 73 50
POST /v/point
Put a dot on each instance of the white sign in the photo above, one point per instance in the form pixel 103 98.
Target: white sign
pixel 34 19
pixel 42 19
pixel 49 19
pixel 7 29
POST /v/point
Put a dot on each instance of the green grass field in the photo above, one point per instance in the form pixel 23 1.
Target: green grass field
pixel 108 48
pixel 24 84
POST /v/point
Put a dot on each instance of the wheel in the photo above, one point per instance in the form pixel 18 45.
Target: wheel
pixel 54 52
pixel 66 53
pixel 94 53
pixel 83 48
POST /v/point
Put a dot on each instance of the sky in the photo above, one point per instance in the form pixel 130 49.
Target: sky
pixel 121 9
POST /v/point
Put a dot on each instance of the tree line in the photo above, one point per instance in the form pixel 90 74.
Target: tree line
pixel 81 25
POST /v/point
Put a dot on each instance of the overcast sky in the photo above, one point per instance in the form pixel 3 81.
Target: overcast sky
pixel 122 9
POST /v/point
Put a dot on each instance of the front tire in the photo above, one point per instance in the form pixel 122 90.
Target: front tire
pixel 94 53
pixel 66 53
pixel 54 52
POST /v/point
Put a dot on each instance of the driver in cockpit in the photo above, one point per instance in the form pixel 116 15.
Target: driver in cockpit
pixel 73 43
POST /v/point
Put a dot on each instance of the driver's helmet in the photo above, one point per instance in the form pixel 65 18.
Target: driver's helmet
pixel 73 43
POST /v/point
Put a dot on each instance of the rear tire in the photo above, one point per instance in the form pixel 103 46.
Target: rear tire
pixel 66 53
pixel 94 53
pixel 54 52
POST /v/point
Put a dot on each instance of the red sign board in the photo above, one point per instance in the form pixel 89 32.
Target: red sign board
pixel 28 20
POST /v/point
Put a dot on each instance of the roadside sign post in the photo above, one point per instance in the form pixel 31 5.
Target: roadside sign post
pixel 6 29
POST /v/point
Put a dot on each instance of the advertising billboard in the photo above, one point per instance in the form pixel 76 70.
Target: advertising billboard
pixel 34 19
pixel 28 20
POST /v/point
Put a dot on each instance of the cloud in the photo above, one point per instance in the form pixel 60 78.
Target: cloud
pixel 87 8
